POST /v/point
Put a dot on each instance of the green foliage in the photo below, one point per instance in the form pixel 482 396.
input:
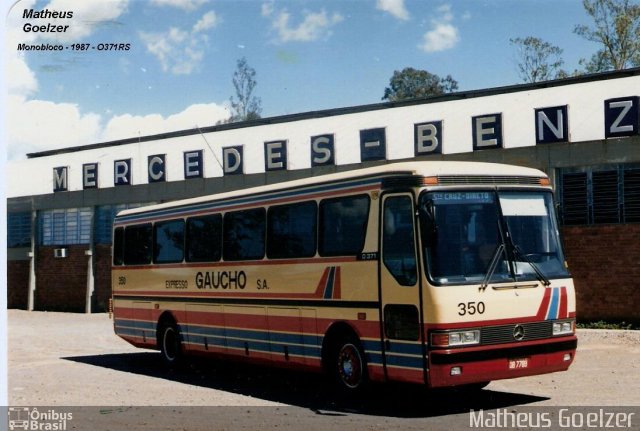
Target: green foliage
pixel 411 83
pixel 616 27
pixel 246 106
pixel 601 324
pixel 538 60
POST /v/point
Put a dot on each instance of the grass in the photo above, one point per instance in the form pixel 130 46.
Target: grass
pixel 601 324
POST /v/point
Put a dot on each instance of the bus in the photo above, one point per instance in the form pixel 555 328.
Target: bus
pixel 437 273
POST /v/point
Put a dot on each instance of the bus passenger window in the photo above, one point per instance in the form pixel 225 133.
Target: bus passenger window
pixel 291 230
pixel 137 244
pixel 204 238
pixel 118 246
pixel 244 235
pixel 399 252
pixel 168 241
pixel 343 225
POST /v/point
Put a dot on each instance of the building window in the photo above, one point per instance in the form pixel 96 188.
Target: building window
pixel 105 214
pixel 599 195
pixel 19 229
pixel 66 226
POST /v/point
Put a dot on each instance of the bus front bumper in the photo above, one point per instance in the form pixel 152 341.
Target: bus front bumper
pixel 454 367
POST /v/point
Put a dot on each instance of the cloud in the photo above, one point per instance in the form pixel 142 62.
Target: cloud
pixel 180 51
pixel 39 125
pixel 314 25
pixel 36 125
pixel 88 15
pixel 394 7
pixel 187 5
pixel 200 115
pixel 208 20
pixel 443 34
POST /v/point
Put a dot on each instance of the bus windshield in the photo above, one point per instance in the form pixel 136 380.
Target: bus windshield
pixel 490 236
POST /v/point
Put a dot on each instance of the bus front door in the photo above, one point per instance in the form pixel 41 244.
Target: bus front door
pixel 402 340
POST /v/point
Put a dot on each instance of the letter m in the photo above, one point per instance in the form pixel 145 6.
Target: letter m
pixel 60 179
pixel 476 421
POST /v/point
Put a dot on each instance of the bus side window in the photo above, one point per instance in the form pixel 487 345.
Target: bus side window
pixel 244 235
pixel 292 230
pixel 168 241
pixel 118 246
pixel 204 238
pixel 343 225
pixel 138 243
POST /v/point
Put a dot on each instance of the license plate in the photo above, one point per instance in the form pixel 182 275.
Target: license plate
pixel 516 364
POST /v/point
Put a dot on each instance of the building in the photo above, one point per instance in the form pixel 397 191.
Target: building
pixel 582 131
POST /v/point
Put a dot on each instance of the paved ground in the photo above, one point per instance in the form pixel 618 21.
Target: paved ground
pixel 60 360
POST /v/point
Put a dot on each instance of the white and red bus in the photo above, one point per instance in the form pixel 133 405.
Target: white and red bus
pixel 437 273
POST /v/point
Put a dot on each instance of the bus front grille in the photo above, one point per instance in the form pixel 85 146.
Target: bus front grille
pixel 510 333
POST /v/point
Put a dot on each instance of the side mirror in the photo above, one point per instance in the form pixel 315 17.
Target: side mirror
pixel 428 228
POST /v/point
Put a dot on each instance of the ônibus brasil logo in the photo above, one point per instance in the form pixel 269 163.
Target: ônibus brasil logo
pixel 31 419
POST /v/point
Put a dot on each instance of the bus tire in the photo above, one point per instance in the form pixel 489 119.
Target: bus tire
pixel 170 344
pixel 348 364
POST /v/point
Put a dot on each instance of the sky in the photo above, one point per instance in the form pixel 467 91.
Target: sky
pixel 308 55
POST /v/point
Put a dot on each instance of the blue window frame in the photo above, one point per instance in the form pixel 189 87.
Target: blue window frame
pixel 66 226
pixel 19 229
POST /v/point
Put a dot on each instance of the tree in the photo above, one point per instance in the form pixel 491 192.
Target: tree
pixel 539 60
pixel 617 29
pixel 246 106
pixel 411 83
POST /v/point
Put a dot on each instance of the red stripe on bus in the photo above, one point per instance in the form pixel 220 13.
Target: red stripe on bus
pixel 337 291
pixel 562 314
pixel 363 328
pixel 544 306
pixel 239 295
pixel 405 375
pixel 312 260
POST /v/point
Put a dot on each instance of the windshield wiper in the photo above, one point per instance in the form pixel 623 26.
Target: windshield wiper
pixel 492 266
pixel 513 252
pixel 517 252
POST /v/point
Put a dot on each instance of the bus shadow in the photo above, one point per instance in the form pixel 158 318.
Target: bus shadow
pixel 309 390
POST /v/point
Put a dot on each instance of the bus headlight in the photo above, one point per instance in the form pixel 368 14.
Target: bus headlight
pixel 563 327
pixel 455 338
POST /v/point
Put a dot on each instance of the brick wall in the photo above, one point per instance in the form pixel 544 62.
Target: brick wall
pixel 61 283
pixel 18 284
pixel 102 277
pixel 605 264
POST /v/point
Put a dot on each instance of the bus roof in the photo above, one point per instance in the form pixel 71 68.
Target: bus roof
pixel 422 169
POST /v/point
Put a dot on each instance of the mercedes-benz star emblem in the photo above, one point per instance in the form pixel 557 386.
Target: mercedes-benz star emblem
pixel 518 332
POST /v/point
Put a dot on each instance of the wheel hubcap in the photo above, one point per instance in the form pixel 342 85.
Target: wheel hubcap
pixel 170 347
pixel 350 366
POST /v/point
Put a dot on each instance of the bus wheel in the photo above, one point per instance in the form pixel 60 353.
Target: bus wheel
pixel 170 344
pixel 350 366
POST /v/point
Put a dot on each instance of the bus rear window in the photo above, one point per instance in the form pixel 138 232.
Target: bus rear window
pixel 343 225
pixel 118 246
